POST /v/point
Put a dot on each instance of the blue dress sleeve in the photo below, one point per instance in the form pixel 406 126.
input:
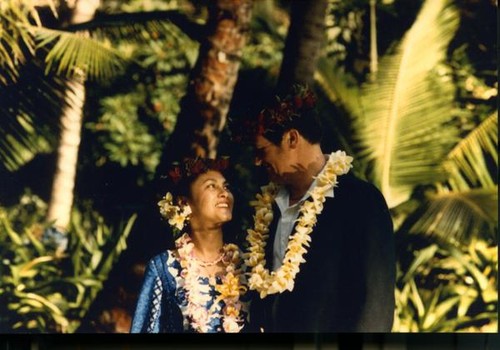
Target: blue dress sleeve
pixel 147 313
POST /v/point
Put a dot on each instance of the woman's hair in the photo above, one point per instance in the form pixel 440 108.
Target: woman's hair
pixel 181 175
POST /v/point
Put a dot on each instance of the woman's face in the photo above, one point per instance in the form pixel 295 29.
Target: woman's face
pixel 211 201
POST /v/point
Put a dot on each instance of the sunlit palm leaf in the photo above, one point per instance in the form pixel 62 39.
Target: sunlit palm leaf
pixel 339 87
pixel 474 160
pixel 466 205
pixel 401 133
pixel 458 216
pixel 33 99
pixel 15 44
pixel 140 25
pixel 74 52
pixel 343 92
pixel 16 40
pixel 136 32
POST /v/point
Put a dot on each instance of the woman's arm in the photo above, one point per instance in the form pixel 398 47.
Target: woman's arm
pixel 147 312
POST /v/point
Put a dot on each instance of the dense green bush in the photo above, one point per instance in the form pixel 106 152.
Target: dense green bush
pixel 48 279
pixel 445 288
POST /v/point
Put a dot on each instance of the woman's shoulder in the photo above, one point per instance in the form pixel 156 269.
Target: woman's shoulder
pixel 164 265
pixel 161 256
pixel 167 257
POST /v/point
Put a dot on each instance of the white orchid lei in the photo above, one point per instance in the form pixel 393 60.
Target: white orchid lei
pixel 278 281
pixel 177 215
pixel 198 317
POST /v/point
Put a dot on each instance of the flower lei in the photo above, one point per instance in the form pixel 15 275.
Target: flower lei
pixel 197 295
pixel 278 281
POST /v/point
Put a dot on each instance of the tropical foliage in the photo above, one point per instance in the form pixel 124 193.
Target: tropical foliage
pixel 447 288
pixel 439 181
pixel 422 127
pixel 48 280
pixel 30 47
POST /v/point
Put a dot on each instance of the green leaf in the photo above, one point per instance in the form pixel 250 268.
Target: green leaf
pixel 401 133
pixel 14 236
pixel 440 310
pixel 416 299
pixel 467 165
pixel 73 52
pixel 459 215
pixel 480 279
pixel 466 300
pixel 423 256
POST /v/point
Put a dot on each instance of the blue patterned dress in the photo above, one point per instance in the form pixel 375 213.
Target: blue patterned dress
pixel 162 302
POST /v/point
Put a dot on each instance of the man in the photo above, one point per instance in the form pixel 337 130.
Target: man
pixel 324 260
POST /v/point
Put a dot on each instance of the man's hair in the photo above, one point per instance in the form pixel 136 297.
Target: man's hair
pixel 297 110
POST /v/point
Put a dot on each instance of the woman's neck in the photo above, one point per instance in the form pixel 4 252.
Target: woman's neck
pixel 207 243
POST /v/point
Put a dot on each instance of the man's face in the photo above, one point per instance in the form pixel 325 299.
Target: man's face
pixel 276 159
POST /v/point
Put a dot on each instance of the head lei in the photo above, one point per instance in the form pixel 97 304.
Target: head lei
pixel 174 207
pixel 278 115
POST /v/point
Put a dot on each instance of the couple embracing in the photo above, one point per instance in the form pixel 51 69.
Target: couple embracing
pixel 319 257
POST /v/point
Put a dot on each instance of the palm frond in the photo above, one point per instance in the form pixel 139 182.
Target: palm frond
pixel 74 52
pixel 466 204
pixel 340 88
pixel 342 91
pixel 401 133
pixel 473 162
pixel 16 39
pixel 16 43
pixel 459 216
pixel 137 25
pixel 29 110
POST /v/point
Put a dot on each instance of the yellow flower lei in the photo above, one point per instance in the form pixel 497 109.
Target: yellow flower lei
pixel 278 281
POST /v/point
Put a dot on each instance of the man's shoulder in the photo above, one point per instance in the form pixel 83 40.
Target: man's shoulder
pixel 350 183
pixel 354 193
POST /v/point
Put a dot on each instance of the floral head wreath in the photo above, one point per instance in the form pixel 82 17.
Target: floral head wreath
pixel 278 115
pixel 178 212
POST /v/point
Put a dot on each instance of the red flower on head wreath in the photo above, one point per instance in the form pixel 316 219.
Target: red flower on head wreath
pixel 278 114
pixel 194 167
pixel 175 174
pixel 286 109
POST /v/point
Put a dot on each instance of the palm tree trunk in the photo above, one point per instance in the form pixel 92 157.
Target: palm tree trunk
pixel 303 44
pixel 206 103
pixel 61 201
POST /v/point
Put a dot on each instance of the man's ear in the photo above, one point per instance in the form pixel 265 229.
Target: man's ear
pixel 292 138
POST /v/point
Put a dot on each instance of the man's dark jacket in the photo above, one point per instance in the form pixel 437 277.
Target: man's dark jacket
pixel 347 281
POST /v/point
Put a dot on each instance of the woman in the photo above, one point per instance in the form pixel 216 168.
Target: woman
pixel 199 286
